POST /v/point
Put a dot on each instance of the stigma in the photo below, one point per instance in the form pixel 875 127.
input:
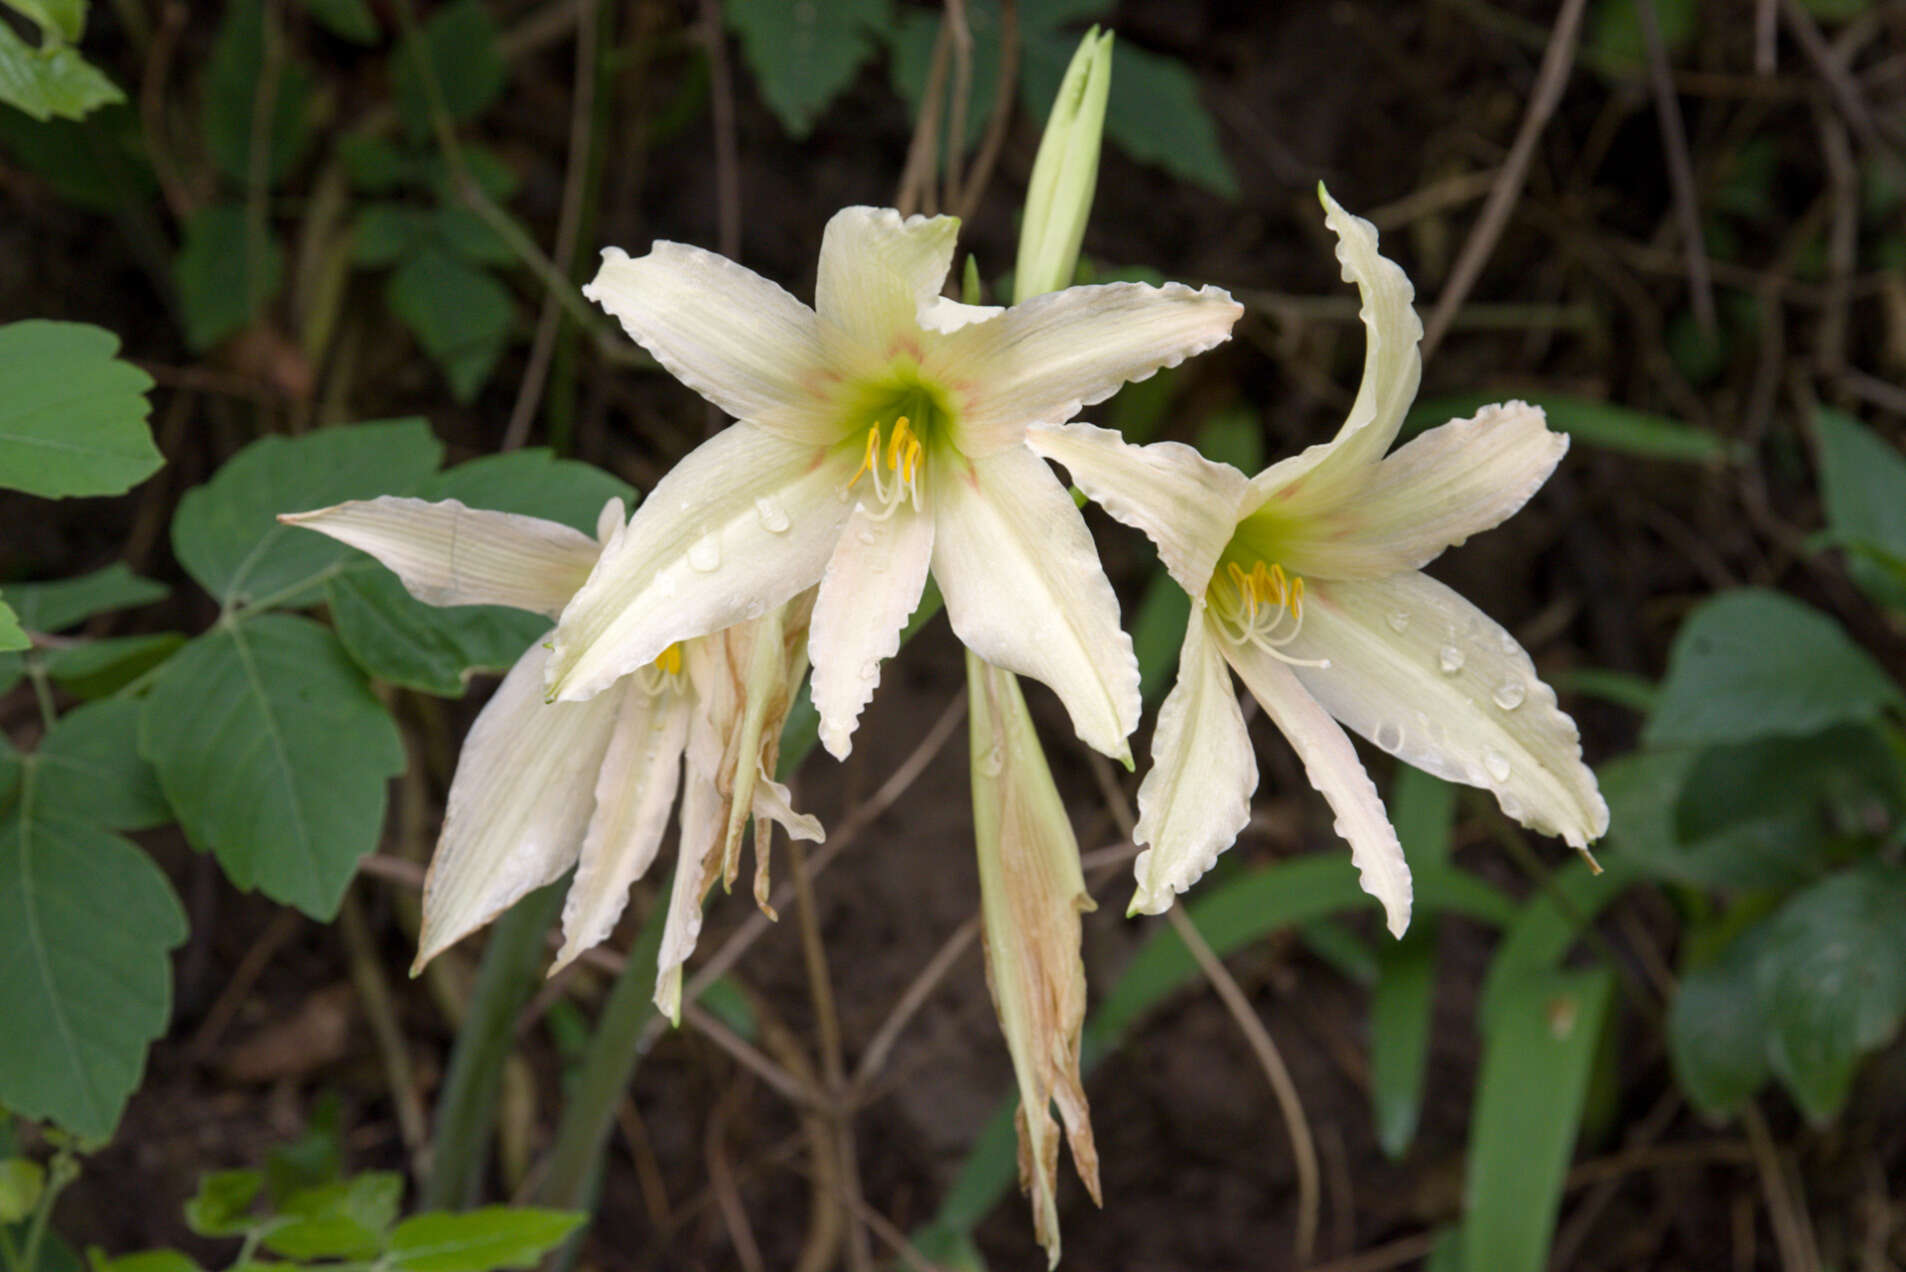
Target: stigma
pixel 1263 606
pixel 894 469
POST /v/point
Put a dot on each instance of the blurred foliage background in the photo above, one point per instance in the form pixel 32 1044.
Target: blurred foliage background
pixel 1680 226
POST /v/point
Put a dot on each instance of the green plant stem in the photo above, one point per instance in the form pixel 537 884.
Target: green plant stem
pixel 42 690
pixel 607 1066
pixel 466 1108
pixel 61 1171
pixel 9 1256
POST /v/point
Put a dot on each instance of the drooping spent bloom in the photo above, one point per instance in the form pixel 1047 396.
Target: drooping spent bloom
pixel 541 787
pixel 880 438
pixel 1032 892
pixel 1306 580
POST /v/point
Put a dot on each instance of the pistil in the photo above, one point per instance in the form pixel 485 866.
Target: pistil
pixel 895 473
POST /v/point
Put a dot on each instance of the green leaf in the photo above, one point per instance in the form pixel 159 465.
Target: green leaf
pixel 86 921
pixel 347 19
pixel 72 415
pixel 1234 437
pixel 1832 981
pixel 1863 481
pixel 234 93
pixel 274 753
pixel 1602 424
pixel 803 55
pixel 225 276
pixel 344 1220
pixel 227 535
pixel 101 667
pixel 398 638
pixel 89 768
pixel 146 1261
pixel 479 1240
pixel 59 20
pixel 1717 1033
pixel 1753 664
pixel 533 483
pixel 1548 925
pixel 1617 38
pixel 375 163
pixel 461 45
pixel 64 603
pixel 222 1205
pixel 99 164
pixel 387 233
pixel 21 1183
pixel 460 315
pixel 1154 116
pixel 13 637
pixel 1537 1055
pixel 470 236
pixel 52 80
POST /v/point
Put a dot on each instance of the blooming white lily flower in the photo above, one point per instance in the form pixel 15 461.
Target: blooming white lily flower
pixel 880 438
pixel 1306 580
pixel 541 787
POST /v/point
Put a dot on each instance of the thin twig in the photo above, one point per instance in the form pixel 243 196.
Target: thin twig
pixel 721 1178
pixel 1766 28
pixel 981 173
pixel 1796 1253
pixel 152 100
pixel 952 181
pixel 1674 143
pixel 915 193
pixel 744 1053
pixel 874 1058
pixel 374 996
pixel 1551 78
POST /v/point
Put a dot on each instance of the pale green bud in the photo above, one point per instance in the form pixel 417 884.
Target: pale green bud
pixel 1066 173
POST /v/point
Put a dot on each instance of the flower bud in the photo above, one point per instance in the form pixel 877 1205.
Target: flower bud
pixel 1065 173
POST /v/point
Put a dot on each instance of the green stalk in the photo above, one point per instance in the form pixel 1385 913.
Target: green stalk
pixel 466 1108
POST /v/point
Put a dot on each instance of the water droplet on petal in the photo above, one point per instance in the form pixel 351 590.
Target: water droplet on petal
pixel 706 555
pixel 1511 806
pixel 1450 660
pixel 1389 737
pixel 866 535
pixel 1498 765
pixel 756 608
pixel 1509 694
pixel 992 762
pixel 870 670
pixel 774 518
pixel 1399 620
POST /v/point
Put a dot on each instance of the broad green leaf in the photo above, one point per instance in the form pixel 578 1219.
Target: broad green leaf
pixel 387 233
pixel 398 638
pixel 64 603
pixel 59 20
pixel 344 1220
pixel 98 164
pixel 227 535
pixel 233 96
pixel 274 753
pixel 479 1240
pixel 86 921
pixel 222 1205
pixel 459 313
pixel 376 163
pixel 225 273
pixel 1754 664
pixel 803 55
pixel 1601 424
pixel 315 1157
pixel 72 415
pixel 1717 1032
pixel 145 1261
pixel 1832 981
pixel 347 19
pixel 50 81
pixel 1538 1050
pixel 1154 116
pixel 533 483
pixel 1863 481
pixel 88 768
pixel 101 667
pixel 460 43
pixel 1234 437
pixel 13 637
pixel 470 236
pixel 21 1183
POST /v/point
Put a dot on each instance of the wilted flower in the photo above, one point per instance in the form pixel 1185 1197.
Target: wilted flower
pixel 880 437
pixel 1305 580
pixel 541 787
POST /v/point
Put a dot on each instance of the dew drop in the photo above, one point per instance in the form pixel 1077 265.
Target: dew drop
pixel 1399 620
pixel 705 555
pixel 1498 765
pixel 756 608
pixel 1389 737
pixel 1511 806
pixel 866 535
pixel 992 762
pixel 1450 660
pixel 1509 694
pixel 870 670
pixel 774 518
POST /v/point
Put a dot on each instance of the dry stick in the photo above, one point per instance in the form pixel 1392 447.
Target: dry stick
pixel 826 1218
pixel 874 1058
pixel 648 1170
pixel 916 177
pixel 981 173
pixel 1392 1254
pixel 952 182
pixel 1289 1103
pixel 1674 142
pixel 152 99
pixel 1842 242
pixel 1796 1253
pixel 1551 78
pixel 721 1179
pixel 721 92
pixel 1766 18
pixel 244 977
pixel 373 994
pixel 1845 90
pixel 801 1093
pixel 529 394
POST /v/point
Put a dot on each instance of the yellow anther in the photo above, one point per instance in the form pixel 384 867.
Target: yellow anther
pixel 669 661
pixel 1297 598
pixel 869 457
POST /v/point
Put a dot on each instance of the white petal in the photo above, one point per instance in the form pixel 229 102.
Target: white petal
pixel 1197 796
pixel 698 864
pixel 737 339
pixel 1431 679
pixel 1392 367
pixel 635 788
pixel 1331 764
pixel 877 270
pixel 1432 493
pixel 873 583
pixel 447 554
pixel 945 315
pixel 518 803
pixel 1184 503
pixel 1024 589
pixel 741 524
pixel 775 802
pixel 1040 361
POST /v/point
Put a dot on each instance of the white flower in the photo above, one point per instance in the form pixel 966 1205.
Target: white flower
pixel 880 438
pixel 1305 580
pixel 541 787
